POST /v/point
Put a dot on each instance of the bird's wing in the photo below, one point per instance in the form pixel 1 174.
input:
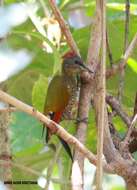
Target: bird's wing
pixel 57 95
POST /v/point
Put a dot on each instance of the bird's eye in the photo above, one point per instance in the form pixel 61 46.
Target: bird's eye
pixel 76 62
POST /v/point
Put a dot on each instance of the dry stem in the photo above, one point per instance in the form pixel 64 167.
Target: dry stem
pixel 64 26
pixel 126 141
pixel 60 131
pixel 101 114
pixel 115 105
pixel 86 86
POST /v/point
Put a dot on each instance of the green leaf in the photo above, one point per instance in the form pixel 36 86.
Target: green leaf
pixel 21 85
pixel 26 132
pixel 57 58
pixel 39 92
pixel 132 64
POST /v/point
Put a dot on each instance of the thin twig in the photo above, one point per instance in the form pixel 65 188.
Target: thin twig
pixel 60 131
pixel 109 50
pixel 135 105
pixel 126 141
pixel 51 166
pixel 122 72
pixel 101 112
pixel 115 105
pixel 64 27
pixel 117 68
pixel 45 9
pixel 127 12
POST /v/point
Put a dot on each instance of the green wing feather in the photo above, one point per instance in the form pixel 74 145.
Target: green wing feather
pixel 57 95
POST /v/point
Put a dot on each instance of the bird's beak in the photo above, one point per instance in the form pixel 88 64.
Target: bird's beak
pixel 85 68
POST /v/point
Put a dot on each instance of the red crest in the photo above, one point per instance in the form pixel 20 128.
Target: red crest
pixel 69 54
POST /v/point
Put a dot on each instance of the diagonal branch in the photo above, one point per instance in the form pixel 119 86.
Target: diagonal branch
pixel 64 26
pixel 8 109
pixel 60 131
pixel 127 139
pixel 117 68
pixel 115 105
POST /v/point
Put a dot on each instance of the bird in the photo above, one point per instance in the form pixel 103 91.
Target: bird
pixel 61 92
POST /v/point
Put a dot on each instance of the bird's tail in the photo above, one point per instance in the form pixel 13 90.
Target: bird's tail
pixel 56 117
pixel 66 147
pixel 46 133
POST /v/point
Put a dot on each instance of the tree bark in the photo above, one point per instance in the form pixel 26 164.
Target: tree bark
pixel 131 186
pixel 5 154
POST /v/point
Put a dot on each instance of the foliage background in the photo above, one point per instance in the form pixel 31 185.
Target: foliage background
pixel 30 85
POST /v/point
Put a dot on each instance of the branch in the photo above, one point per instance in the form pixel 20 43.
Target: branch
pixel 135 105
pixel 127 11
pixel 51 166
pixel 5 152
pixel 95 39
pixel 117 68
pixel 115 105
pixel 101 101
pixel 64 26
pixel 8 109
pixel 45 9
pixel 109 49
pixel 114 134
pixel 127 139
pixel 87 84
pixel 122 72
pixel 60 131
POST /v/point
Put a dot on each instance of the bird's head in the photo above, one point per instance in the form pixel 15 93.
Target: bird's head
pixel 73 64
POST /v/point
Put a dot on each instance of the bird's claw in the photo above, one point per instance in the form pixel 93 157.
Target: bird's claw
pixel 53 129
pixel 83 120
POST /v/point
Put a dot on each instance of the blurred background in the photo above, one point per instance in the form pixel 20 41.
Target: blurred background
pixel 31 46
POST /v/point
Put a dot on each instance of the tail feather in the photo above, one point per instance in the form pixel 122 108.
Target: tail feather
pixel 66 147
pixel 46 133
pixel 56 117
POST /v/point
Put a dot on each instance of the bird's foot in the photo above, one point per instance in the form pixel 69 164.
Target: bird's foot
pixel 53 129
pixel 83 120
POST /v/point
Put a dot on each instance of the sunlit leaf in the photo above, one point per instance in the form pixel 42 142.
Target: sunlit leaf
pixel 39 93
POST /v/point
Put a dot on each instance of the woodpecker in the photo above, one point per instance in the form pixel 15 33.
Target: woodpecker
pixel 61 92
